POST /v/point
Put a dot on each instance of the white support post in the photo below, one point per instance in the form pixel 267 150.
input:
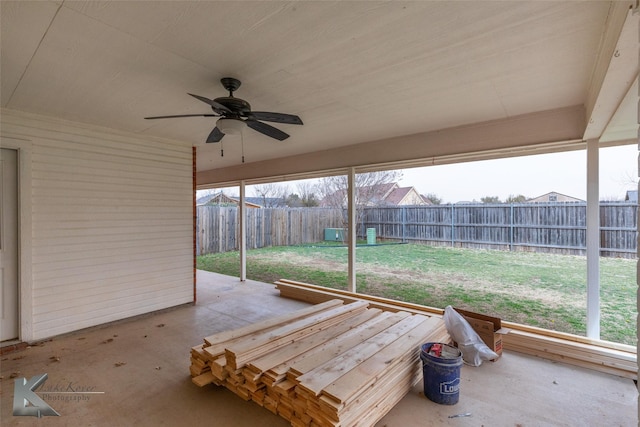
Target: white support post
pixel 243 234
pixel 351 212
pixel 636 10
pixel 593 241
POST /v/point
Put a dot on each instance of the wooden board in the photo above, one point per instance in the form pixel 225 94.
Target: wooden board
pixel 615 362
pixel 303 345
pixel 276 321
pixel 315 380
pixel 369 371
pixel 338 346
pixel 604 356
pixel 258 344
pixel 374 301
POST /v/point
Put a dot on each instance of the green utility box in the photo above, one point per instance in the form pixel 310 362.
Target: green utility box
pixel 334 234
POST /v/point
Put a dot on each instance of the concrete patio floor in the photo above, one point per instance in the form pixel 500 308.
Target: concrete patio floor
pixel 138 372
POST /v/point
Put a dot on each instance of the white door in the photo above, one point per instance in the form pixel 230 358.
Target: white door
pixel 9 244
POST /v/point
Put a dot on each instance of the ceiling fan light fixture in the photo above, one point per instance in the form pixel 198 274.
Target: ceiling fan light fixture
pixel 230 126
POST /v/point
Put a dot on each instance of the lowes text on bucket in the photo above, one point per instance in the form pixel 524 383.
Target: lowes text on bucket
pixel 450 387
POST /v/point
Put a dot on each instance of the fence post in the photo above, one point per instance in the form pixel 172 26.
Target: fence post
pixel 453 226
pixel 511 227
pixel 404 222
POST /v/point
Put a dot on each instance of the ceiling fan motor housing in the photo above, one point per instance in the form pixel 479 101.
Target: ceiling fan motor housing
pixel 237 106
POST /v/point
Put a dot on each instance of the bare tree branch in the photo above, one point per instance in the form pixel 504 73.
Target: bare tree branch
pixel 371 188
pixel 306 193
pixel 272 194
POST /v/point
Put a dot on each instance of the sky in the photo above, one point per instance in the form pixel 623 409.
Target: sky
pixel 530 176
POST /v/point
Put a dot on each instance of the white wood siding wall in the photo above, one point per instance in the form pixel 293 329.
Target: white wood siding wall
pixel 112 223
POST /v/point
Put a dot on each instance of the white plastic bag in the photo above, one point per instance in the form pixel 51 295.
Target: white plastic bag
pixel 473 349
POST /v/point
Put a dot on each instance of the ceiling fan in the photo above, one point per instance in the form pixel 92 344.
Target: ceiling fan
pixel 235 113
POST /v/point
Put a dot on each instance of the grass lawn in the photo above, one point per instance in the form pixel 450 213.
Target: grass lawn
pixel 531 288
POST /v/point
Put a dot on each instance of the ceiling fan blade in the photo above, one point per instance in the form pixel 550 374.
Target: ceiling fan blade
pixel 276 117
pixel 216 105
pixel 215 135
pixel 182 115
pixel 267 129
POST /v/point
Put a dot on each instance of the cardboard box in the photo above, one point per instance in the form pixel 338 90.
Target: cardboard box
pixel 489 328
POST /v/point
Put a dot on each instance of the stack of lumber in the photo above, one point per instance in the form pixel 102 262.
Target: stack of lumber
pixel 603 356
pixel 611 358
pixel 331 364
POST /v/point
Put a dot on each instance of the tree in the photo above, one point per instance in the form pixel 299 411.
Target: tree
pixel 272 194
pixel 293 200
pixel 490 199
pixel 370 190
pixel 516 199
pixel 306 192
pixel 626 181
pixel 432 198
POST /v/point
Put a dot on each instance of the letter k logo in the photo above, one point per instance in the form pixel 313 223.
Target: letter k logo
pixel 23 395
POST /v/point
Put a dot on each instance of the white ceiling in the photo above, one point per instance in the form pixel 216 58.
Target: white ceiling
pixel 353 71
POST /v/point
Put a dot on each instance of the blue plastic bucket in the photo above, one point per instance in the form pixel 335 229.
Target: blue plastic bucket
pixel 441 374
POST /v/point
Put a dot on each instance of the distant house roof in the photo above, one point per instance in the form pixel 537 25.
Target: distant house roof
pixel 223 199
pixel 380 192
pixel 204 199
pixel 405 196
pixel 632 196
pixel 389 194
pixel 267 202
pixel 554 197
pixel 396 195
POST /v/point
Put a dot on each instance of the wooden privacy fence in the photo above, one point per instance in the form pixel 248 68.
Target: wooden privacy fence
pixel 218 231
pixel 544 227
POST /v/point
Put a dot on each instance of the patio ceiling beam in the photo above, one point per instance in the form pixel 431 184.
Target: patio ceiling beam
pixel 553 126
pixel 616 68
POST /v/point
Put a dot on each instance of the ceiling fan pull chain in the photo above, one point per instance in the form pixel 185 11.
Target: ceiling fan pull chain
pixel 221 149
pixel 242 145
